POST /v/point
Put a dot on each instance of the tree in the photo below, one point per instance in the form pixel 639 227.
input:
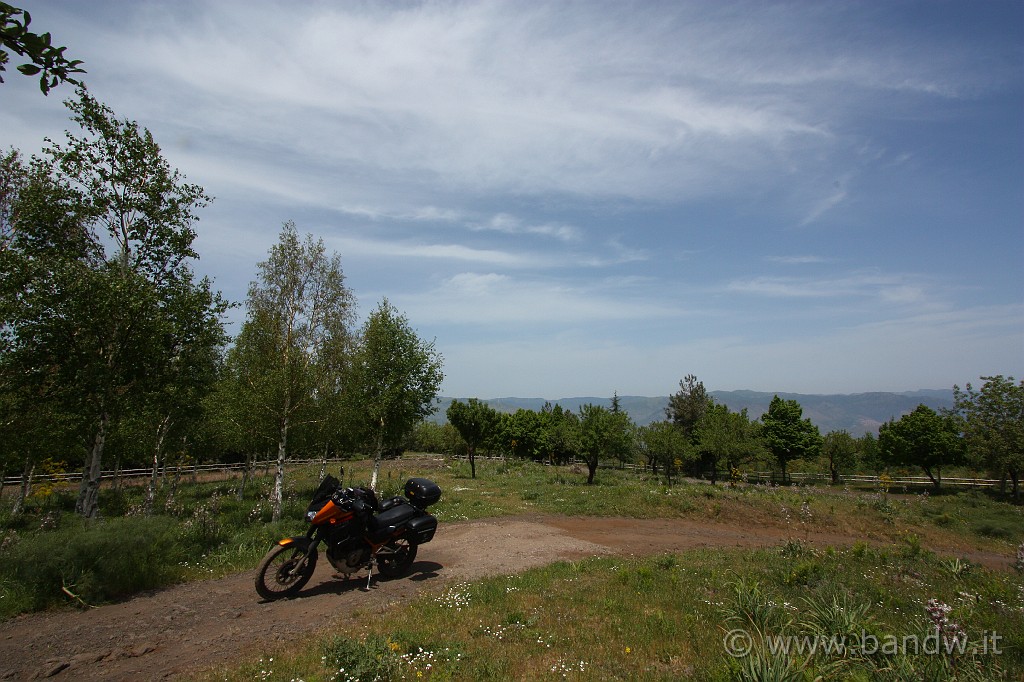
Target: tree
pixel 394 379
pixel 688 405
pixel 45 60
pixel 840 450
pixel 664 443
pixel 98 242
pixel 521 434
pixel 476 421
pixel 868 454
pixel 725 435
pixel 603 434
pixel 299 313
pixel 922 438
pixel 176 389
pixel 993 425
pixel 559 433
pixel 786 434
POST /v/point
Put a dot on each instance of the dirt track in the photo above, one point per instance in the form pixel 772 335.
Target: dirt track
pixel 168 634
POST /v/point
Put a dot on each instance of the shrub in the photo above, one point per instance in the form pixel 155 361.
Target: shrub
pixel 92 562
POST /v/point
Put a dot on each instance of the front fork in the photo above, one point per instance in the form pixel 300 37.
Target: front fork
pixel 307 543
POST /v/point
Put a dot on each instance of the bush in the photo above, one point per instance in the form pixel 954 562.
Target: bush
pixel 91 562
pixel 352 660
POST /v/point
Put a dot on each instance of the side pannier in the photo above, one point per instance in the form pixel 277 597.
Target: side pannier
pixel 422 528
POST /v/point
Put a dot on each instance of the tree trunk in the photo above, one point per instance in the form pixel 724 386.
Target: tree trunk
pixel 323 462
pixel 377 456
pixel 161 433
pixel 591 470
pixel 247 466
pixel 88 504
pixel 936 479
pixel 277 496
pixel 26 487
pixel 472 462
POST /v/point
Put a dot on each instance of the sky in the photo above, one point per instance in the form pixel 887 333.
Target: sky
pixel 588 198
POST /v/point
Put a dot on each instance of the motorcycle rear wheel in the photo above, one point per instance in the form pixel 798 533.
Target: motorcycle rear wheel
pixel 395 559
pixel 284 571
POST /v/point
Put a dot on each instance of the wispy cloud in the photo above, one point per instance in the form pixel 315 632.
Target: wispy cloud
pixel 509 224
pixel 797 260
pixel 497 96
pixel 496 300
pixel 888 288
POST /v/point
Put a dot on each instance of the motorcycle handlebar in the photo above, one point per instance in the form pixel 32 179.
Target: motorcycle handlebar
pixel 349 499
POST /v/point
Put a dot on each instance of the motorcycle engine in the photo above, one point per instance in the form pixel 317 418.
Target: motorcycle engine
pixel 349 557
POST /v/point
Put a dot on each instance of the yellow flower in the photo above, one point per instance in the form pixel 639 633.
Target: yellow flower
pixel 628 649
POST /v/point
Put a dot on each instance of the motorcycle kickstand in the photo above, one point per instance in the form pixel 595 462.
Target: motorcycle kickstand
pixel 369 576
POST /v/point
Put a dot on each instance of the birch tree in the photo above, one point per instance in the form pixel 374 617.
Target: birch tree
pixel 100 241
pixel 299 313
pixel 394 379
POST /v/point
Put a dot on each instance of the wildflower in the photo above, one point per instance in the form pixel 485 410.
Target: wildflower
pixel 952 633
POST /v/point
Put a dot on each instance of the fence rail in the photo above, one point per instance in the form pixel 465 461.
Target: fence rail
pixel 184 470
pixel 752 477
pixel 769 476
pixel 774 476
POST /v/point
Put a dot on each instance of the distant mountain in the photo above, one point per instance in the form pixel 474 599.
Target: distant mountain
pixel 858 413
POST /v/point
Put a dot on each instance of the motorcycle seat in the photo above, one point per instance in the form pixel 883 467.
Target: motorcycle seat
pixel 395 516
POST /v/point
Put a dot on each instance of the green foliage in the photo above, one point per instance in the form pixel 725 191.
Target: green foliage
pixel 725 436
pixel 922 438
pixel 840 451
pixel 109 320
pixel 45 59
pixel 603 435
pixel 993 424
pixel 393 380
pixel 94 561
pixel 476 423
pixel 787 435
pixel 351 660
pixel 688 405
pixel 664 444
pixel 286 367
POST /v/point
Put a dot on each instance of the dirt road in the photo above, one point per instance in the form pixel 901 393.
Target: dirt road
pixel 168 634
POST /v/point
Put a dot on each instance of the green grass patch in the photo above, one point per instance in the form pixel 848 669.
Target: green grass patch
pixel 676 616
pixel 201 529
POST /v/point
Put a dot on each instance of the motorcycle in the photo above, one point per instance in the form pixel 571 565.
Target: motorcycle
pixel 358 532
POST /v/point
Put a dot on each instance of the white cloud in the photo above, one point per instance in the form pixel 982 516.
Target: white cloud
pixel 871 284
pixel 898 354
pixel 509 224
pixel 491 300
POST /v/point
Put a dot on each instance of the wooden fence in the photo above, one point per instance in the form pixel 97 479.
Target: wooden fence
pixel 752 477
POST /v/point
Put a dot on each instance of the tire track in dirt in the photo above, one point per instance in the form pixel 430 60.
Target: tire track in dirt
pixel 174 632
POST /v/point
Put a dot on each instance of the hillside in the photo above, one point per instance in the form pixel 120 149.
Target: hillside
pixel 858 413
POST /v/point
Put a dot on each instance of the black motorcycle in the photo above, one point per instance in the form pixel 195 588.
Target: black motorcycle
pixel 358 532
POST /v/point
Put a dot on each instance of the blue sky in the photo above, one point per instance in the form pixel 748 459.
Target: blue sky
pixel 581 198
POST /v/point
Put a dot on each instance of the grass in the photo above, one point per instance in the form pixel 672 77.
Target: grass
pixel 670 617
pixel 655 618
pixel 202 530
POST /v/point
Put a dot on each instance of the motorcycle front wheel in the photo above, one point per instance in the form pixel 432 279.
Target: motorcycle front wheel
pixel 284 571
pixel 395 558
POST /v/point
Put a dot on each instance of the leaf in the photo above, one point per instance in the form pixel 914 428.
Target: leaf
pixel 29 69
